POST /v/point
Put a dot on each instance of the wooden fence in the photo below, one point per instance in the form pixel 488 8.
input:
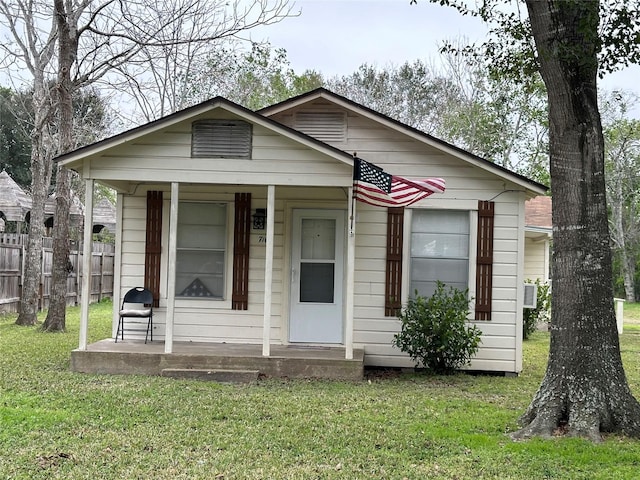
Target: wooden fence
pixel 12 250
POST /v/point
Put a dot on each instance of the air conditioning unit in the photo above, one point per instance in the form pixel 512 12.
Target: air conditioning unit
pixel 530 295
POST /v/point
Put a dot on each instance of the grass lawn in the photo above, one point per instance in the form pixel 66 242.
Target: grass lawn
pixel 59 424
pixel 632 317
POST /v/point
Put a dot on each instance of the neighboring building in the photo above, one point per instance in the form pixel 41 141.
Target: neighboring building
pixel 104 216
pixel 15 204
pixel 538 235
pixel 196 188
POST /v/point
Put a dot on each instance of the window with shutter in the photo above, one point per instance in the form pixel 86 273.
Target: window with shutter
pixel 221 139
pixel 330 127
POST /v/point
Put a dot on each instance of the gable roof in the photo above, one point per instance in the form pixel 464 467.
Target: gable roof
pixel 323 93
pixel 190 112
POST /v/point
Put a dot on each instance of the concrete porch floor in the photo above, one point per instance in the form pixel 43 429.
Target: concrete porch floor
pixel 136 357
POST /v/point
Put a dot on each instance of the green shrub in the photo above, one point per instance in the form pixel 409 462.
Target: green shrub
pixel 542 313
pixel 435 332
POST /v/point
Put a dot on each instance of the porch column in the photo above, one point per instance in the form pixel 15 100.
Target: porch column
pixel 268 272
pixel 117 266
pixel 171 268
pixel 86 263
pixel 351 256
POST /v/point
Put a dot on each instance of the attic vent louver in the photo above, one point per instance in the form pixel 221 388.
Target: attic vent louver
pixel 330 127
pixel 221 139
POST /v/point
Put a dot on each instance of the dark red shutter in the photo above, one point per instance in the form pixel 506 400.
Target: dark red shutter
pixel 393 279
pixel 241 237
pixel 153 246
pixel 484 260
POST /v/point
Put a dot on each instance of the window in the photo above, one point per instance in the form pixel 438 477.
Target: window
pixel 201 250
pixel 221 139
pixel 439 250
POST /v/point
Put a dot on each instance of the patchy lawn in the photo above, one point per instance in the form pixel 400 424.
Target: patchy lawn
pixel 59 424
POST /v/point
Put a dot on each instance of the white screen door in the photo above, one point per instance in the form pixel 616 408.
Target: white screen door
pixel 317 276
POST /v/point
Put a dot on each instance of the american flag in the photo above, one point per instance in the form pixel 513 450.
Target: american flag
pixel 374 186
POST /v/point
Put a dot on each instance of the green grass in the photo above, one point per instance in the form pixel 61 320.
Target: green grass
pixel 59 424
pixel 632 317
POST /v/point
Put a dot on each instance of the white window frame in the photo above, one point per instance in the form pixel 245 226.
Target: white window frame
pixel 225 301
pixel 406 248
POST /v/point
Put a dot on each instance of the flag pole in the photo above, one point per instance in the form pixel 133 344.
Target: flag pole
pixel 352 199
pixel 350 280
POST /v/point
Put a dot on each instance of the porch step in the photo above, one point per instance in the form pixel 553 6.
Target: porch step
pixel 214 375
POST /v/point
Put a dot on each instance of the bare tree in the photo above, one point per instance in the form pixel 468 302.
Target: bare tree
pixel 103 41
pixel 33 49
pixel 67 50
pixel 159 79
pixel 622 162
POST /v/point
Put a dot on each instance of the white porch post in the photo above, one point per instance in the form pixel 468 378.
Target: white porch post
pixel 117 266
pixel 171 269
pixel 351 256
pixel 268 272
pixel 86 264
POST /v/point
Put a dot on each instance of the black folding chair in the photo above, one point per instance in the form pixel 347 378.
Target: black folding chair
pixel 137 306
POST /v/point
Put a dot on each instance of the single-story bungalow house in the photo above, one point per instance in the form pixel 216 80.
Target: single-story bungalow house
pixel 243 226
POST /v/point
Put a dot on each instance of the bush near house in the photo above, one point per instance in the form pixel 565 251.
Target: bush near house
pixel 435 332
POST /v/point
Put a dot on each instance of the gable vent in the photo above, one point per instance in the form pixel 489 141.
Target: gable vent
pixel 330 127
pixel 221 138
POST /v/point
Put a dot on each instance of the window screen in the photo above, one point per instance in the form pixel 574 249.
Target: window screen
pixel 200 260
pixel 439 250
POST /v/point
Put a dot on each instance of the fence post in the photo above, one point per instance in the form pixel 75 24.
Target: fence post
pixel 101 276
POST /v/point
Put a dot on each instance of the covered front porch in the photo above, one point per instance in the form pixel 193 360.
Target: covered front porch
pixel 204 360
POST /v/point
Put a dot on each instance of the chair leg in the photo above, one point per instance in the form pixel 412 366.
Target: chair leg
pixel 118 330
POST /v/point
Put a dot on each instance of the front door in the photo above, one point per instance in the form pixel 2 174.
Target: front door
pixel 317 276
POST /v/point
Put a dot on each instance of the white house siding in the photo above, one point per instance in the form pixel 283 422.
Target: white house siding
pixel 153 161
pixel 165 156
pixel 215 321
pixel 402 155
pixel 536 258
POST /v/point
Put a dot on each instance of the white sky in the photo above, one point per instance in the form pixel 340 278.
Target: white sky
pixel 336 36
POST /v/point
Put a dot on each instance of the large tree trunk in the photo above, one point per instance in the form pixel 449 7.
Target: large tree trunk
pixel 67 47
pixel 584 391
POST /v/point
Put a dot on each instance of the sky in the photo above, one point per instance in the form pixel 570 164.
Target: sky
pixel 336 36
